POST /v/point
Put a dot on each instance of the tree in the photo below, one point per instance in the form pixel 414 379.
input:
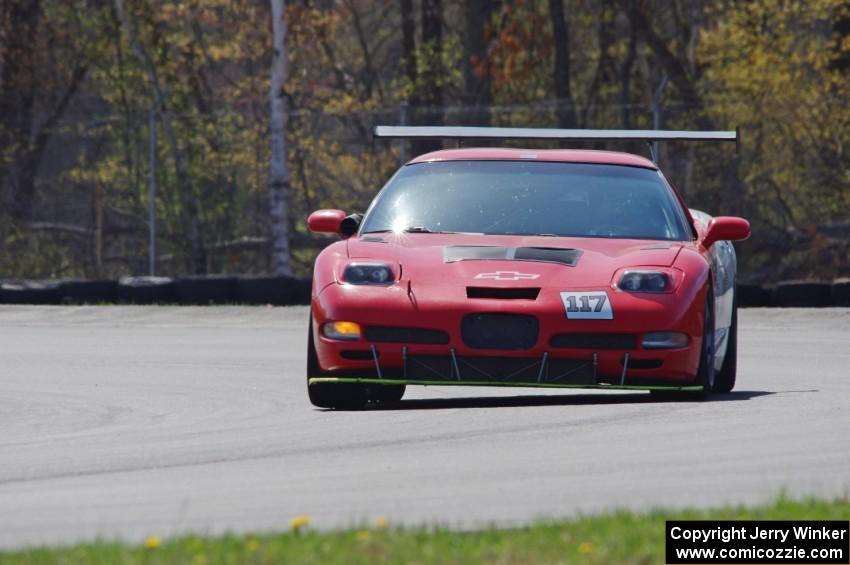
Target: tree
pixel 280 192
pixel 191 206
pixel 428 87
pixel 776 69
pixel 675 66
pixel 477 87
pixel 28 117
pixel 563 91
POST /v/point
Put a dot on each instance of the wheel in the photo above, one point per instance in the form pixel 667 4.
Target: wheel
pixel 347 396
pixel 386 393
pixel 724 381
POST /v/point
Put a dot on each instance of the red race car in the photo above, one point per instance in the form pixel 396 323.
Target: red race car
pixel 524 267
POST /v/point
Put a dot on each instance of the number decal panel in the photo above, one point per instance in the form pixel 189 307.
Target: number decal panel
pixel 592 305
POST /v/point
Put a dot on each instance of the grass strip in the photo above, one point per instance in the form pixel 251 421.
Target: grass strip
pixel 615 537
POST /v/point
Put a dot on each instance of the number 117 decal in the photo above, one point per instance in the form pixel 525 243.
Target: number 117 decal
pixel 593 305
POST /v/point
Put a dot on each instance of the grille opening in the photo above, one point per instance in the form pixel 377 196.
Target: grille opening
pixel 594 341
pixel 644 363
pixel 514 293
pixel 499 331
pixel 389 334
pixel 358 355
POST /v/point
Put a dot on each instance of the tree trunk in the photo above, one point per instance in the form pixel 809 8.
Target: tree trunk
pixel 279 188
pixel 841 29
pixel 563 91
pixel 408 32
pixel 675 67
pixel 408 44
pixel 432 47
pixel 626 70
pixel 431 69
pixel 477 95
pixel 18 87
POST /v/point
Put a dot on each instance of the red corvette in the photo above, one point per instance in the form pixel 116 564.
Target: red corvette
pixel 521 267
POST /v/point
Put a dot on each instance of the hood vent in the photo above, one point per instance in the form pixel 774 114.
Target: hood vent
pixel 502 293
pixel 561 255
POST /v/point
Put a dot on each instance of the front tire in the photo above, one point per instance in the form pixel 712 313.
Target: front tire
pixel 706 373
pixel 338 396
pixel 724 381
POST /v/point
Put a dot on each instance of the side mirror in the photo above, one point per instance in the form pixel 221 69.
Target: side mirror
pixel 725 228
pixel 326 221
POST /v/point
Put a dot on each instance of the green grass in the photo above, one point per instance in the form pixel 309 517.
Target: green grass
pixel 619 537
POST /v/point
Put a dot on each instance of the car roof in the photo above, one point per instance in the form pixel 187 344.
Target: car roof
pixel 557 155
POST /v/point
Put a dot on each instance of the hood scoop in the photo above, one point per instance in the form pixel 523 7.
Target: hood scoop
pixel 561 255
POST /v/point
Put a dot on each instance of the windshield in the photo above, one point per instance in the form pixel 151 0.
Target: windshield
pixel 528 198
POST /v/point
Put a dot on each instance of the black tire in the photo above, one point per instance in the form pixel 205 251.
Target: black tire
pixel 724 380
pixel 339 396
pixel 706 373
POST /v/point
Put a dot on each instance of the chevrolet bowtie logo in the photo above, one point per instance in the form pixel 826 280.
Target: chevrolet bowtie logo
pixel 507 276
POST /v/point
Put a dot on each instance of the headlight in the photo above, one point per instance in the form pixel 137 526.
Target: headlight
pixel 368 274
pixel 645 281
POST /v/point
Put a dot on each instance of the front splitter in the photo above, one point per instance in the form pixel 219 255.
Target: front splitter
pixel 374 381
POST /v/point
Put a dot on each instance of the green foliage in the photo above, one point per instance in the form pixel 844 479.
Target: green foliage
pixel 771 70
pixel 777 69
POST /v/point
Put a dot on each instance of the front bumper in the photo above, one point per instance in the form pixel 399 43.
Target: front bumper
pixel 540 365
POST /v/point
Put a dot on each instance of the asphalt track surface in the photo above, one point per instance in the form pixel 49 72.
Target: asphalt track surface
pixel 122 422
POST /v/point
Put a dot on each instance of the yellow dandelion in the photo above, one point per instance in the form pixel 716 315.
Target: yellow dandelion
pixel 299 522
pixel 152 542
pixel 363 535
pixel 585 547
pixel 199 559
pixel 252 545
pixel 381 523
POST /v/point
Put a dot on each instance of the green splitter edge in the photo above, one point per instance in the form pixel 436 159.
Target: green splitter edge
pixel 340 380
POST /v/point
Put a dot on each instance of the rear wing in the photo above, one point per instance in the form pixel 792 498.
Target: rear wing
pixel 460 133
